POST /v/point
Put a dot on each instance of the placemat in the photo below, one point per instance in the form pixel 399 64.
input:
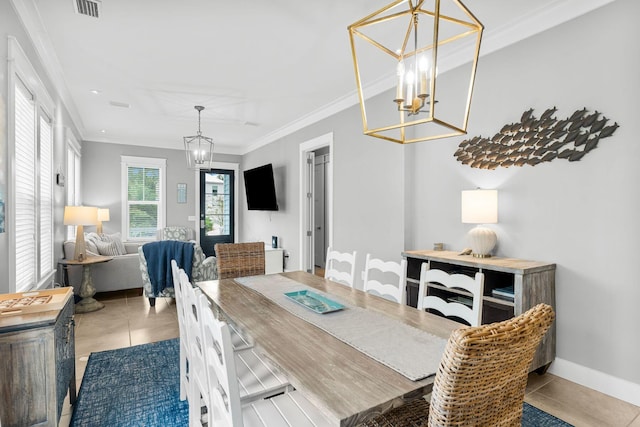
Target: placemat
pixel 407 350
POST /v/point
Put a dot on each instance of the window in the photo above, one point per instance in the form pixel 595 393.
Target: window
pixel 31 166
pixel 143 189
pixel 72 181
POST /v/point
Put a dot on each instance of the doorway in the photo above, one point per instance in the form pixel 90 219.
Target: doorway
pixel 217 208
pixel 320 166
pixel 316 201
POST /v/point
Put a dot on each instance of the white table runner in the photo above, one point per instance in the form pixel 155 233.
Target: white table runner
pixel 407 350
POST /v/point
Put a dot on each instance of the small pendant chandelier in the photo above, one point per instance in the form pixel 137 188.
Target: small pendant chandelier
pixel 388 40
pixel 198 148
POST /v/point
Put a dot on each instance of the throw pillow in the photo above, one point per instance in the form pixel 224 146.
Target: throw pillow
pixel 175 233
pixel 90 242
pixel 114 238
pixel 107 248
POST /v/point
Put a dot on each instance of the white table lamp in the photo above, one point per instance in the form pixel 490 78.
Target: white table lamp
pixel 103 215
pixel 80 216
pixel 480 207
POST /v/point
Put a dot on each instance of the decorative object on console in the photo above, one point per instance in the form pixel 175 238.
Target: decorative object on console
pixel 80 216
pixel 425 35
pixel 198 148
pixel 535 140
pixel 103 216
pixel 480 207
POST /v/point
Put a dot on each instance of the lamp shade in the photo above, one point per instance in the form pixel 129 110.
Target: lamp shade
pixel 480 206
pixel 103 214
pixel 80 215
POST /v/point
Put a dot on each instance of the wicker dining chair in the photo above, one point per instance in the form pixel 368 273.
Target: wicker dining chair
pixel 240 259
pixel 482 376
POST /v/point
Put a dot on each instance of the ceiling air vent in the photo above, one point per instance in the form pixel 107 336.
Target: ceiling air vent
pixel 88 7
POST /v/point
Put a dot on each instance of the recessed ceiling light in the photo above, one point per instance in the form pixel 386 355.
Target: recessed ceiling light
pixel 103 131
pixel 95 91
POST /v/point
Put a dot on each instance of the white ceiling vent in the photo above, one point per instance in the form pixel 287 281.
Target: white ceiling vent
pixel 88 7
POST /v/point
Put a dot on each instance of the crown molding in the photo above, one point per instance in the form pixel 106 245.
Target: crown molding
pixel 533 23
pixel 539 20
pixel 28 13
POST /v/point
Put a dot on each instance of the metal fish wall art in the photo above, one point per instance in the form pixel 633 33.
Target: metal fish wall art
pixel 536 140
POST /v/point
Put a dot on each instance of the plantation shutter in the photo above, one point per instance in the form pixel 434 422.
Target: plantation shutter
pixel 46 195
pixel 25 184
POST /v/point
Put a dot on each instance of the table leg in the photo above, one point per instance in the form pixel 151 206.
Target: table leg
pixel 87 291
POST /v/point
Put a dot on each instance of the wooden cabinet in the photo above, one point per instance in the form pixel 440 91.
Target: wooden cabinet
pixel 532 282
pixel 37 358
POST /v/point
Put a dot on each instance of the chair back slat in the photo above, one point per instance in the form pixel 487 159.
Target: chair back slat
pixel 395 290
pixel 472 285
pixel 221 369
pixel 334 261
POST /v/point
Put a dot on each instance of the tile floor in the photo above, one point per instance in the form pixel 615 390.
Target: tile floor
pixel 128 320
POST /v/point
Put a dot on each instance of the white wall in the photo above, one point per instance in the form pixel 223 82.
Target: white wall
pixel 583 216
pixel 10 25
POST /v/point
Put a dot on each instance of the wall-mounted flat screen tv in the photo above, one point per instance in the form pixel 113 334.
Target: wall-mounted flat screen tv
pixel 260 189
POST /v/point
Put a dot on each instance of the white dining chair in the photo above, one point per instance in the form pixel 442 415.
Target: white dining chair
pixel 256 378
pixel 387 279
pixel 229 409
pixel 340 266
pixel 472 285
pixel 182 328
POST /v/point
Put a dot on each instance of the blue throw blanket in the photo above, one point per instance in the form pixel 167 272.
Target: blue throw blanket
pixel 159 255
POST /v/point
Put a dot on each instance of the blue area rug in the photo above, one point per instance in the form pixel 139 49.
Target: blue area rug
pixel 140 386
pixel 132 386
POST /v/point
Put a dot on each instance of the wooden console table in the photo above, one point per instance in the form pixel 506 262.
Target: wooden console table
pixel 533 282
pixel 37 358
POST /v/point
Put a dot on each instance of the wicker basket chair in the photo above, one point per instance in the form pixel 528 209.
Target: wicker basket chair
pixel 240 259
pixel 482 376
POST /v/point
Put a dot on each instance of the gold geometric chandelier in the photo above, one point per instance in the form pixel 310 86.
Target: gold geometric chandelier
pixel 414 38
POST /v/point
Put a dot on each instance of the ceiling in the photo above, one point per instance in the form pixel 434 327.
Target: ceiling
pixel 261 68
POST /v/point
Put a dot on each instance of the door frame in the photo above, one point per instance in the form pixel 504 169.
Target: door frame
pixel 217 165
pixel 306 251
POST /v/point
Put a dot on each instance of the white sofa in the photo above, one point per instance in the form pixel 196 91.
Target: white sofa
pixel 122 272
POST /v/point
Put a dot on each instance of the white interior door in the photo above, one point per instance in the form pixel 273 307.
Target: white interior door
pixel 307 208
pixel 319 207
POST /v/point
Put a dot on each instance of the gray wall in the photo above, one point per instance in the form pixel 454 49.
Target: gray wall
pixel 101 180
pixel 583 216
pixel 368 207
pixel 580 215
pixel 10 25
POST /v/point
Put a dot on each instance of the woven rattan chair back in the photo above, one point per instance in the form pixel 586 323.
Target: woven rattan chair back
pixel 482 376
pixel 240 259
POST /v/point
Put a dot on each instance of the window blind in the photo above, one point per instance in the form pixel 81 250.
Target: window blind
pixel 25 183
pixel 45 143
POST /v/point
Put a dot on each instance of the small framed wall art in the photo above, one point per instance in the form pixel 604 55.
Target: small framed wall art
pixel 182 193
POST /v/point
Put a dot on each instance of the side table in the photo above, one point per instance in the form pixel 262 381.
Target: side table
pixel 87 290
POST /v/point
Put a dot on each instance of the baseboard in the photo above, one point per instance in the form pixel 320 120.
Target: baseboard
pixel 596 380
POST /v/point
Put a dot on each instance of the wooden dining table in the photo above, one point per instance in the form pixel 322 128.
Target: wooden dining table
pixel 346 384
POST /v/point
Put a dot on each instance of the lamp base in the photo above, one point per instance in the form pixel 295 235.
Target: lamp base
pixel 80 253
pixel 482 241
